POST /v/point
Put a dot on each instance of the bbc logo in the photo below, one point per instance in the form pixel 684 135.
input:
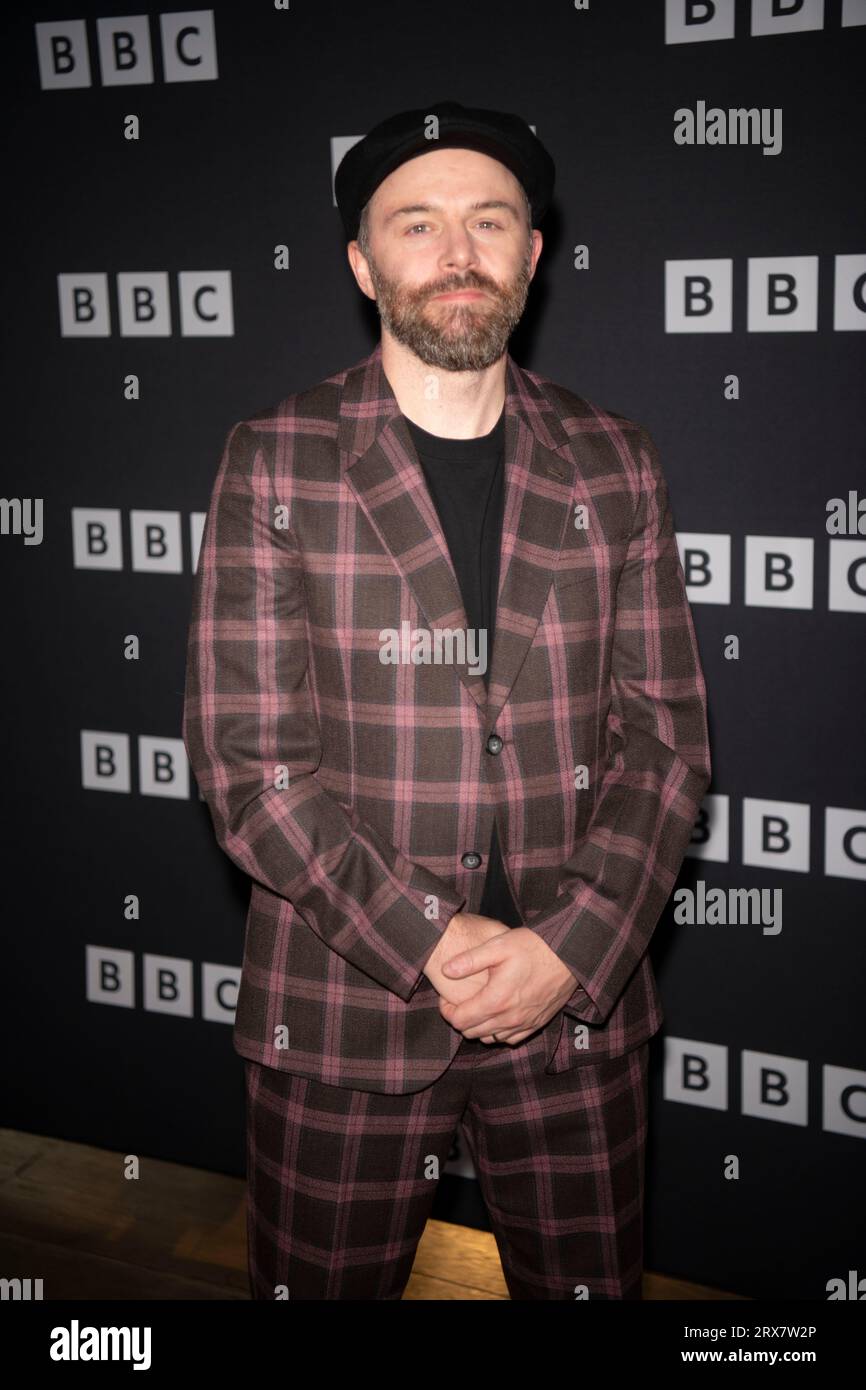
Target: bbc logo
pixel 702 21
pixel 772 1087
pixel 781 294
pixel 144 306
pixel 187 50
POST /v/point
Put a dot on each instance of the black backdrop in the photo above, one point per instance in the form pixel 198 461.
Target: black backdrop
pixel 117 1021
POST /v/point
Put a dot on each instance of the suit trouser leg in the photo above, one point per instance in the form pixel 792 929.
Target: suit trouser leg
pixel 340 1182
pixel 560 1159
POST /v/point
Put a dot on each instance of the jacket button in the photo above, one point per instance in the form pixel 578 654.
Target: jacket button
pixel 471 859
pixel 494 744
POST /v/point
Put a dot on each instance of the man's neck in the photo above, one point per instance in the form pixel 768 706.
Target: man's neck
pixel 465 405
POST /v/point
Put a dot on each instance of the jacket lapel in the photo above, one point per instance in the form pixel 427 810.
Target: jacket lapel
pixel 386 477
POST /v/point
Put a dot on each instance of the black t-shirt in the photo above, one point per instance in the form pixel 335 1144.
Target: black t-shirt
pixel 465 478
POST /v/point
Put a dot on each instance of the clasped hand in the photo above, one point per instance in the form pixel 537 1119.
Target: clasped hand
pixel 506 981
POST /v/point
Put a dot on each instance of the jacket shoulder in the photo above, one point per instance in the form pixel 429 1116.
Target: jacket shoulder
pixel 574 411
pixel 312 409
pixel 605 445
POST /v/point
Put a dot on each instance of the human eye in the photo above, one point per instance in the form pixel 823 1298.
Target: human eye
pixel 416 224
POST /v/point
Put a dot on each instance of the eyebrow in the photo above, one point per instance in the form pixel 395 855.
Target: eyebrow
pixel 437 207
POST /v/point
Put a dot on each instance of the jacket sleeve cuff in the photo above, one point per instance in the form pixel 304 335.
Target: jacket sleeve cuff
pixel 555 925
pixel 407 983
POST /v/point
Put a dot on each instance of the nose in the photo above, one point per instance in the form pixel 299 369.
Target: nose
pixel 458 249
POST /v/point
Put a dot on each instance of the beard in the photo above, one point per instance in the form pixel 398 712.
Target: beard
pixel 457 335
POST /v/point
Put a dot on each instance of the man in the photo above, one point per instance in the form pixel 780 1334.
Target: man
pixel 445 704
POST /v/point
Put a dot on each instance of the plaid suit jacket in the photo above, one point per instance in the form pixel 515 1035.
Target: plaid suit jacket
pixel 355 791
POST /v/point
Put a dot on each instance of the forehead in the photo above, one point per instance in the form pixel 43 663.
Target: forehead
pixel 448 176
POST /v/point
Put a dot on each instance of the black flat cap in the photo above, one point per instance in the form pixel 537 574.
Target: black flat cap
pixel 499 134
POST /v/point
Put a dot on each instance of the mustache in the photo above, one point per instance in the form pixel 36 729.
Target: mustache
pixel 455 286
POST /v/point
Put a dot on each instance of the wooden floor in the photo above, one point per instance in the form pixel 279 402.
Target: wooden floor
pixel 70 1217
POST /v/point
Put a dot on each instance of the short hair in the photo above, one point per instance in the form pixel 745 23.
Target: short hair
pixel 363 237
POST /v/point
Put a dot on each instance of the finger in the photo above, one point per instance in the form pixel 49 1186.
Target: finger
pixel 509 1035
pixel 487 1027
pixel 500 1034
pixel 476 1012
pixel 477 958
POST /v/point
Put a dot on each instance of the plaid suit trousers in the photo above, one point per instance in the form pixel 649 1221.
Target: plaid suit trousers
pixel 341 1181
